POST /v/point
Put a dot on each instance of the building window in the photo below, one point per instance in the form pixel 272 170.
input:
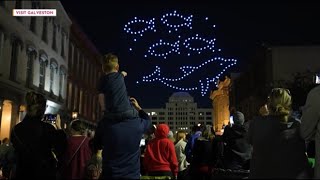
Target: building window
pixel 81 66
pixel 75 97
pixel 208 113
pixel 31 52
pixel 54 42
pixel 75 60
pixel 33 22
pixel 45 30
pixel 80 101
pixel 62 76
pixel 63 37
pixel 70 56
pixel 1 43
pixel 18 6
pixel 53 70
pixel 42 74
pixel 69 95
pixel 14 58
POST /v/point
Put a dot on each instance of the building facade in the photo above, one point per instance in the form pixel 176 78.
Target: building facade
pixel 33 57
pixel 181 113
pixel 84 64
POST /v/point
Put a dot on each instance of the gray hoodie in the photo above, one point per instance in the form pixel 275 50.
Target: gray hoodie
pixel 310 124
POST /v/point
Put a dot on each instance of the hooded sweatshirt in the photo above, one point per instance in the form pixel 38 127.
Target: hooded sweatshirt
pixel 160 152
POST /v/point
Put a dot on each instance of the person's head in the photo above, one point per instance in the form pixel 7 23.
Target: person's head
pixel 197 127
pixel 36 104
pixel 110 63
pixel 279 103
pixel 170 136
pixel 238 118
pixel 77 128
pixel 162 131
pixel 181 135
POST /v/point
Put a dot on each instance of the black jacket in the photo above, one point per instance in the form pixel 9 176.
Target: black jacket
pixel 35 142
pixel 278 149
pixel 237 150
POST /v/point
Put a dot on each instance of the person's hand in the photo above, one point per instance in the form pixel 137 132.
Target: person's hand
pixel 135 104
pixel 264 110
pixel 58 122
pixel 124 73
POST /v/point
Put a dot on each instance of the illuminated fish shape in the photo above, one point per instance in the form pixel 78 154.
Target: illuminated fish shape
pixel 150 25
pixel 204 83
pixel 187 21
pixel 153 52
pixel 209 44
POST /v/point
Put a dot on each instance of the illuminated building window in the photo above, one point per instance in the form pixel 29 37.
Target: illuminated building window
pixel 42 75
pixel 62 77
pixel 53 70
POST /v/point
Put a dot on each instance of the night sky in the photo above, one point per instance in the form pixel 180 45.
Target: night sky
pixel 240 28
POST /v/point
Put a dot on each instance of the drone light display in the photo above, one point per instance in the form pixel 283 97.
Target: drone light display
pixel 180 44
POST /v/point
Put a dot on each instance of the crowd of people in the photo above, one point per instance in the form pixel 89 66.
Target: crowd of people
pixel 273 145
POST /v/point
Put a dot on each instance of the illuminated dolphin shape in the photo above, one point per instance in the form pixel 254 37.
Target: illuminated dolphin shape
pixel 204 83
pixel 152 51
pixel 150 25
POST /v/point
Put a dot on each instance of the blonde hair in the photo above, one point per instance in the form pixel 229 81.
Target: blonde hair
pixel 110 62
pixel 180 135
pixel 36 104
pixel 279 103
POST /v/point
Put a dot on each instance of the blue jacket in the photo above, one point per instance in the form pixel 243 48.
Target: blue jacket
pixel 120 141
pixel 190 144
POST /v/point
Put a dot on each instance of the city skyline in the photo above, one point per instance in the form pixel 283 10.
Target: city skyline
pixel 240 29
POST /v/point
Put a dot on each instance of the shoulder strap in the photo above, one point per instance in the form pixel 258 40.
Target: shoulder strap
pixel 76 151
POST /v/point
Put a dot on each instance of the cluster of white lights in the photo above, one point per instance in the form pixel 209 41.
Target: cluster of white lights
pixel 187 21
pixel 163 49
pixel 209 44
pixel 188 70
pixel 175 48
pixel 150 25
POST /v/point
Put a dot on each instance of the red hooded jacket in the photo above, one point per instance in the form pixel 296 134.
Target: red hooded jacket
pixel 160 153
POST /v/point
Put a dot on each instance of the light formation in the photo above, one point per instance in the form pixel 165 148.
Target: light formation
pixel 182 45
pixel 187 71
